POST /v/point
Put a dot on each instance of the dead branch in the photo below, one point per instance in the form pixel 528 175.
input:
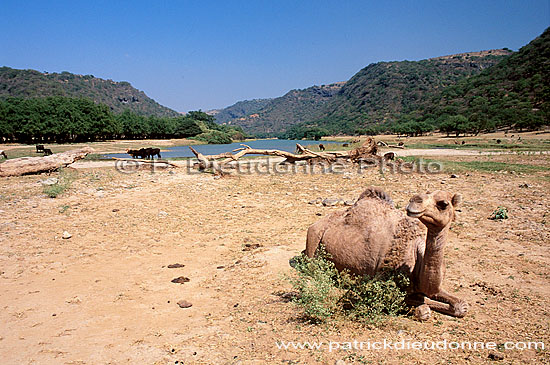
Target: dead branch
pixel 34 165
pixel 367 149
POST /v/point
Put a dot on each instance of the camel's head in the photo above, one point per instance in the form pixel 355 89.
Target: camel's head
pixel 435 210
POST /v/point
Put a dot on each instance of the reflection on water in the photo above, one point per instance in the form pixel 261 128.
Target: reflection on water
pixel 214 149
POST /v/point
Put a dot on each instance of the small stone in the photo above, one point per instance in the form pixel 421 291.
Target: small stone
pixel 331 202
pixel 99 194
pixel 175 266
pixel 496 356
pixel 66 235
pixel 172 172
pixel 162 214
pixel 525 186
pixel 251 246
pixel 453 176
pixel 347 177
pixel 184 304
pixel 443 182
pixel 50 181
pixel 180 280
pixel 115 210
pixel 315 201
pixel 349 203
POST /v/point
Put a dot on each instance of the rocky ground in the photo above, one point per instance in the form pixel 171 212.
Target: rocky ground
pixel 106 294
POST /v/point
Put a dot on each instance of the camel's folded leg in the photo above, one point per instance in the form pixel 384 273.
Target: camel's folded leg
pixel 459 307
pixel 441 302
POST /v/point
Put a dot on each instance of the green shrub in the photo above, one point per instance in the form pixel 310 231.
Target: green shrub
pixel 64 181
pixel 324 292
pixel 499 213
pixel 214 137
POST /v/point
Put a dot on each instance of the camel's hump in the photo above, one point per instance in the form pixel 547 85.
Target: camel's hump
pixel 376 193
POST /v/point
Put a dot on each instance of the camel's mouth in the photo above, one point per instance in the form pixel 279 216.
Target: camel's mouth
pixel 414 214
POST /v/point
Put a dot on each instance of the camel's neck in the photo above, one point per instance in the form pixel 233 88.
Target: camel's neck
pixel 432 269
pixel 435 242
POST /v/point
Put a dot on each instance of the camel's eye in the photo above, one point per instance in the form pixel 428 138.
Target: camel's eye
pixel 442 204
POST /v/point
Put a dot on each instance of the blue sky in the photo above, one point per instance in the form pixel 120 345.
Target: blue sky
pixel 191 55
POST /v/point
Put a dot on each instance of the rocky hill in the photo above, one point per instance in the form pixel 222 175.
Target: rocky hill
pixel 118 96
pixel 278 114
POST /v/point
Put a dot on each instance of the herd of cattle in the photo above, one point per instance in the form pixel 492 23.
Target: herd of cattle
pixel 145 153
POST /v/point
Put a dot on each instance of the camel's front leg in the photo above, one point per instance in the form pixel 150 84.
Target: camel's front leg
pixel 442 302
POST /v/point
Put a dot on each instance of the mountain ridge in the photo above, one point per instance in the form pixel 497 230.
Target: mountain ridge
pixel 376 93
pixel 117 95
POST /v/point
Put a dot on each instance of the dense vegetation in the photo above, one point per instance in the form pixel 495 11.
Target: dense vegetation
pixel 62 119
pixel 118 96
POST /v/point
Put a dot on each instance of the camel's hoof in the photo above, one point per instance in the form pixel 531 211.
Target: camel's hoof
pixel 423 312
pixel 461 308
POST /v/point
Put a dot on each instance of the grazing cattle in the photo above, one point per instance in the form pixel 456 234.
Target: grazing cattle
pixel 135 153
pixel 47 152
pixel 499 141
pixel 321 147
pixel 2 153
pixel 152 152
pixel 39 148
pixel 345 145
pixel 389 156
pixel 463 142
pixel 401 144
pixel 145 153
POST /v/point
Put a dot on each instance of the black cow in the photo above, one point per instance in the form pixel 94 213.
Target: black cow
pixel 321 147
pixel 389 156
pixel 136 153
pixel 47 152
pixel 2 153
pixel 151 152
pixel 39 148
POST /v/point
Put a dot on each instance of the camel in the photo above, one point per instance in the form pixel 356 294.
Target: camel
pixel 372 236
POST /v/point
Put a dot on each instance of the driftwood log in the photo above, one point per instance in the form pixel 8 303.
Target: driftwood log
pixel 139 160
pixel 34 165
pixel 216 162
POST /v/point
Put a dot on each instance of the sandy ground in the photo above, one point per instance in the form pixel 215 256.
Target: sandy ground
pixel 105 296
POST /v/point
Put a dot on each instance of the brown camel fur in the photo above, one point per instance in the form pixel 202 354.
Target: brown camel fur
pixel 372 235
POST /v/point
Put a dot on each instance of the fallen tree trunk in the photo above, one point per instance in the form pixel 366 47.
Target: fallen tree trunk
pixel 367 149
pixel 138 160
pixel 34 165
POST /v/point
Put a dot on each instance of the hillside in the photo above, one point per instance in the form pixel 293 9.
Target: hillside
pixel 118 96
pixel 381 92
pixel 377 94
pixel 280 113
pixel 515 92
pixel 238 110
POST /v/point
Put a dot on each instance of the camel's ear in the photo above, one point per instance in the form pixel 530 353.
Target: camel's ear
pixel 457 199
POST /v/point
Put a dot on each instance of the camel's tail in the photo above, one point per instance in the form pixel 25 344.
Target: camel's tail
pixel 376 193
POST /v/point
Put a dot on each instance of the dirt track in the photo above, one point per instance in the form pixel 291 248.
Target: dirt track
pixel 105 295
